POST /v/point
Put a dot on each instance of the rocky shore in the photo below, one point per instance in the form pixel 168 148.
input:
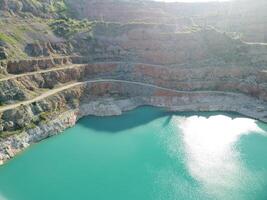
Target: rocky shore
pixel 57 67
pixel 113 98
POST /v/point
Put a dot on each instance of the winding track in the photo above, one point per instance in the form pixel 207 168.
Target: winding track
pixel 71 66
pixel 54 91
pixel 41 71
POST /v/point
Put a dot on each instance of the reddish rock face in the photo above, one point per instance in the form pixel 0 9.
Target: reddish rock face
pixel 95 69
pixel 48 48
pixel 125 11
pixel 165 93
pixel 244 17
pixel 24 66
pixel 161 45
pixel 247 80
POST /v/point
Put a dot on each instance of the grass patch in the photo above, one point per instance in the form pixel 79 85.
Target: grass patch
pixel 69 27
pixel 31 125
pixel 13 42
pixel 7 39
pixel 58 6
pixel 44 116
pixel 6 134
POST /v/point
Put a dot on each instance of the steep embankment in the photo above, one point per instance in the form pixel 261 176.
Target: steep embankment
pixel 241 80
pixel 245 80
pixel 67 68
pixel 241 18
pixel 63 107
pixel 47 89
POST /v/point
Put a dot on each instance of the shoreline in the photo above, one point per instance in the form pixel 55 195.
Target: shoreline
pixel 15 144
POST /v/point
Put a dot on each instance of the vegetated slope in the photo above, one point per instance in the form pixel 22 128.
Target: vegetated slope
pixel 242 18
pixel 44 28
pixel 63 59
pixel 45 47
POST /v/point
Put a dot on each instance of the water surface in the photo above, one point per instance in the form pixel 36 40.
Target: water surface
pixel 146 154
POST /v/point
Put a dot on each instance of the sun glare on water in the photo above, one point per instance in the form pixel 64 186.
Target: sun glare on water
pixel 2 197
pixel 209 147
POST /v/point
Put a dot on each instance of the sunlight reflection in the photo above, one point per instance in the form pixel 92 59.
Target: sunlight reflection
pixel 210 153
pixel 2 197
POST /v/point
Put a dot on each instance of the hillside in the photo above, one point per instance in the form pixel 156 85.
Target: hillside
pixel 62 60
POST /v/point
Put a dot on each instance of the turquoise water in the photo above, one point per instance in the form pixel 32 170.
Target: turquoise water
pixel 146 154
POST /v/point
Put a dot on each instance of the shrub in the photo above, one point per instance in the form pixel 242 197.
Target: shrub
pixel 67 27
pixel 44 116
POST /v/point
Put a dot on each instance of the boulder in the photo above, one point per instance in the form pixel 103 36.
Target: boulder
pixel 9 126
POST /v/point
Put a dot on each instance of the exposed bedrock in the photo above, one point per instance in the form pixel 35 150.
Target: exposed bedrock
pixel 160 44
pixel 174 60
pixel 30 65
pixel 52 115
pixel 250 81
pixel 242 17
pixel 197 71
pixel 24 115
pixel 48 48
pixel 29 86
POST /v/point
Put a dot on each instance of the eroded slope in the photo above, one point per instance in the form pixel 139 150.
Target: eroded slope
pixel 57 68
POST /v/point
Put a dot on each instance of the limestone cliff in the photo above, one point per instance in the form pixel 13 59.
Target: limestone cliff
pixel 57 67
pixel 243 18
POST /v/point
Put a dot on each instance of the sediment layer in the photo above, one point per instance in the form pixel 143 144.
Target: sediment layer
pixel 69 68
pixel 59 111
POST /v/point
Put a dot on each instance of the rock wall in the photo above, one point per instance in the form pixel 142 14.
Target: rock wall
pixel 21 117
pixel 48 49
pixel 247 80
pixel 161 45
pixel 56 113
pixel 189 65
pixel 31 65
pixel 242 18
pixel 122 11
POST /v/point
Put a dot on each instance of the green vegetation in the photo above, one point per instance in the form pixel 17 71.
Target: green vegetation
pixel 69 27
pixel 7 39
pixel 37 7
pixel 115 29
pixel 13 43
pixel 58 6
pixel 6 134
pixel 44 116
pixel 15 34
pixel 31 125
pixel 35 3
